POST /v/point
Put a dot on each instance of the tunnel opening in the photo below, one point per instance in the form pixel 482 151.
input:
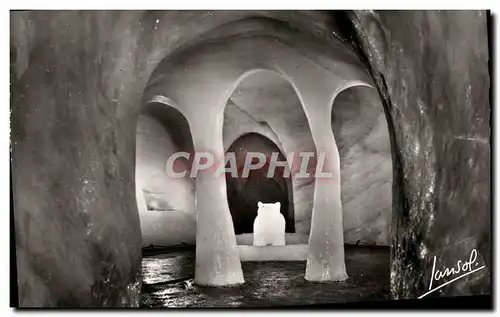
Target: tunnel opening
pixel 265 98
pixel 244 193
pixel 264 114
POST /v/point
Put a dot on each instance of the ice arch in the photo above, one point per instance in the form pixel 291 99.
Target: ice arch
pixel 200 79
pixel 165 204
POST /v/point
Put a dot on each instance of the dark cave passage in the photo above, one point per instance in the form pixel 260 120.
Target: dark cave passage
pixel 243 194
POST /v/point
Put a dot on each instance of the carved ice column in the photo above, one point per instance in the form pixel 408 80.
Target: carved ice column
pixel 325 260
pixel 217 257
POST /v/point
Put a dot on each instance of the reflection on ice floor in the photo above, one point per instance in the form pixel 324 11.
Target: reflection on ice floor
pixel 168 282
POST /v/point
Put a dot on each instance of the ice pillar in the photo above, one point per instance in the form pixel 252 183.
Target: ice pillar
pixel 325 260
pixel 217 257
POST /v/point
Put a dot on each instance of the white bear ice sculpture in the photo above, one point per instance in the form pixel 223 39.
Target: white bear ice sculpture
pixel 269 225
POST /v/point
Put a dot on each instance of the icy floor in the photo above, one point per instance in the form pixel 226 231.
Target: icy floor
pixel 167 282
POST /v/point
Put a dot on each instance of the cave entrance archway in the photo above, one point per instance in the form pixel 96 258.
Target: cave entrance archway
pixel 229 73
pixel 243 194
